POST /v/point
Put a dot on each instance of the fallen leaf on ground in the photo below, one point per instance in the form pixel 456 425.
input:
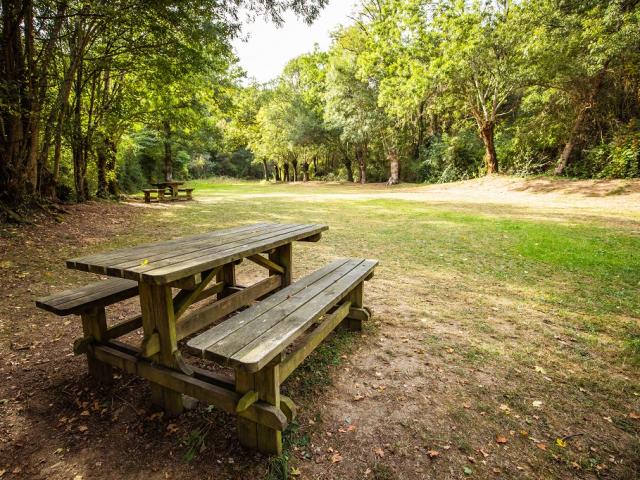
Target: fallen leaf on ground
pixel 561 443
pixel 83 428
pixel 336 457
pixel 358 397
pixel 501 439
pixel 379 452
pixel 537 403
pixel 295 471
pixel 540 369
pixel 541 446
pixel 634 416
pixel 433 453
pixel 467 471
pixel 172 428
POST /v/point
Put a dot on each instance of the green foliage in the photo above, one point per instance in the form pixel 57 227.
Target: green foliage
pixel 452 157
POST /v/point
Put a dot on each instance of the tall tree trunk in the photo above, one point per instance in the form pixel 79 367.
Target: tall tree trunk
pixel 361 158
pixel 286 171
pixel 112 180
pixel 565 156
pixel 15 122
pixel 490 156
pixel 294 164
pixel 394 167
pixel 305 171
pixel 77 142
pixel 276 172
pixel 315 165
pixel 265 170
pixel 106 166
pixel 168 161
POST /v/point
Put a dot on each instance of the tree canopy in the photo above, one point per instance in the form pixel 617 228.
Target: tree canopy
pixel 101 97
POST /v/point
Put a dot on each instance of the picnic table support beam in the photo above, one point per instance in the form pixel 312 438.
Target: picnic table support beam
pixel 203 385
pixel 158 322
pixel 283 256
pixel 94 326
pixel 227 275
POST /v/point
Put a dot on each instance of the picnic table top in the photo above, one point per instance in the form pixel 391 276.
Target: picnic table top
pixel 166 183
pixel 161 263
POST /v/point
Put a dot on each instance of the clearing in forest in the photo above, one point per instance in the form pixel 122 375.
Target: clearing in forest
pixel 505 340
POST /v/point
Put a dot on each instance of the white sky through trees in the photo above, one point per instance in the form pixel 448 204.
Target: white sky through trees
pixel 268 47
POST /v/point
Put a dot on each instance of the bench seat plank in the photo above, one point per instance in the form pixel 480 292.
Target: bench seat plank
pixel 254 337
pixel 102 293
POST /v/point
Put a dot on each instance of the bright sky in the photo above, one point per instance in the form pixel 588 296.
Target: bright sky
pixel 269 48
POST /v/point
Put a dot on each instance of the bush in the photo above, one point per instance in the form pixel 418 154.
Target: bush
pixel 449 158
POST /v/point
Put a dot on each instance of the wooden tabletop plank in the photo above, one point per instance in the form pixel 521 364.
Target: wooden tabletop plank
pixel 223 330
pixel 215 249
pixel 191 247
pixel 163 262
pixel 190 267
pixel 109 258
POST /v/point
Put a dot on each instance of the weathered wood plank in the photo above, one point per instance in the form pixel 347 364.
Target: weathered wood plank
pixel 158 319
pixel 283 256
pixel 163 255
pixel 124 327
pixel 227 347
pixel 266 263
pixel 312 340
pixel 166 271
pixel 267 383
pixel 105 292
pixel 260 351
pixel 177 382
pixel 210 337
pixel 94 325
pixel 139 251
pixel 203 317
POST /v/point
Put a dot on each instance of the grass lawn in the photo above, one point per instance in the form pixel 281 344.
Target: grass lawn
pixel 505 343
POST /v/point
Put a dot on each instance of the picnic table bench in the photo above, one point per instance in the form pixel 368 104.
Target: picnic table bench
pixel 264 343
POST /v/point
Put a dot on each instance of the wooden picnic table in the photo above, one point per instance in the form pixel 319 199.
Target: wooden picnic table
pixel 173 186
pixel 199 266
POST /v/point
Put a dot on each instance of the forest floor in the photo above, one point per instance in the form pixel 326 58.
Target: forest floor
pixel 505 341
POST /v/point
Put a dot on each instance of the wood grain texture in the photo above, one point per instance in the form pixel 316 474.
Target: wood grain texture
pixel 102 293
pixel 165 262
pixel 251 339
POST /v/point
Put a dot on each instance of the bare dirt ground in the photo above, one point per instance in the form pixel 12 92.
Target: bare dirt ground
pixel 415 396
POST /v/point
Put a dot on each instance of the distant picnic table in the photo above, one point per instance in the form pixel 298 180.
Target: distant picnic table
pixel 171 187
pixel 256 342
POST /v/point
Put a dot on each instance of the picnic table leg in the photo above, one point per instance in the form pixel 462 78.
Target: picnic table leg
pixel 247 429
pixel 94 324
pixel 357 312
pixel 158 321
pixel 283 256
pixel 266 383
pixel 227 274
